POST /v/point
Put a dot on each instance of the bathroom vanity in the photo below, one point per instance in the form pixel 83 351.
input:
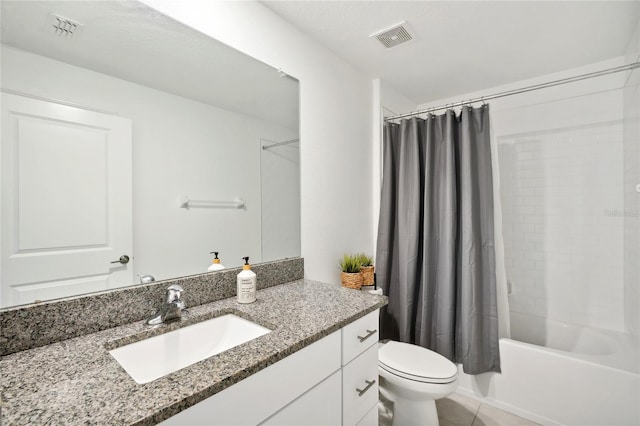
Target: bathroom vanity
pixel 333 381
pixel 318 364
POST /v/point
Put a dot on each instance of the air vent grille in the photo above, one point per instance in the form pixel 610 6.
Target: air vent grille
pixel 393 36
pixel 63 27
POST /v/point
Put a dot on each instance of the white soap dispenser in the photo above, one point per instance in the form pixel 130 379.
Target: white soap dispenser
pixel 215 263
pixel 246 283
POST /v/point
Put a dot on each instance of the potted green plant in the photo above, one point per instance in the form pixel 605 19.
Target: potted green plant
pixel 366 268
pixel 350 276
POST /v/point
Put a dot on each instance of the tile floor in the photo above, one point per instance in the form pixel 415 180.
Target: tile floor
pixel 459 410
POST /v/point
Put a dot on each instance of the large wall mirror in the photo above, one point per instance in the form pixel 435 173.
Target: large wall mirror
pixel 127 135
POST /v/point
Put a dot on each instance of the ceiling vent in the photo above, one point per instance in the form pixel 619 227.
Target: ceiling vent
pixel 393 36
pixel 63 27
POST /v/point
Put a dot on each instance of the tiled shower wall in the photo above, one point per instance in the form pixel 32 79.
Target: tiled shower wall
pixel 560 160
pixel 561 194
pixel 631 148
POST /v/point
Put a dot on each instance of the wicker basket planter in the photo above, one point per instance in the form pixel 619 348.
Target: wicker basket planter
pixel 351 280
pixel 367 275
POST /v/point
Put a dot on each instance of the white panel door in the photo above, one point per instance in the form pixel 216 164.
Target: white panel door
pixel 66 200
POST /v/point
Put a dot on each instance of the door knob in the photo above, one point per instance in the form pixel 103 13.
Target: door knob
pixel 124 259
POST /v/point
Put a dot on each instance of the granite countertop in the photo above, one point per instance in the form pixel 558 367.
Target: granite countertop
pixel 76 381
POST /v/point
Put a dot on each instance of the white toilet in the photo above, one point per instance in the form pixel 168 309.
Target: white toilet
pixel 413 377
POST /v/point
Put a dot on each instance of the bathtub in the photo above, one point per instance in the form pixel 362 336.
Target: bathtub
pixel 561 374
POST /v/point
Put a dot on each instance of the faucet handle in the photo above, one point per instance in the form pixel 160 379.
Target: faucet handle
pixel 174 293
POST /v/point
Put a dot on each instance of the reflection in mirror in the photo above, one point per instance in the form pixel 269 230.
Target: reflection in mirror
pixel 112 116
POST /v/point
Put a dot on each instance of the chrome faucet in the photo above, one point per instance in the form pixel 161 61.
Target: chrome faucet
pixel 146 279
pixel 171 308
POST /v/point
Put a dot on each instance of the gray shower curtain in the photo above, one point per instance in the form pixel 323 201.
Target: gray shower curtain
pixel 435 255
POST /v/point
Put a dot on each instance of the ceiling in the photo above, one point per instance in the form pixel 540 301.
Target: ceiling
pixel 464 46
pixel 130 41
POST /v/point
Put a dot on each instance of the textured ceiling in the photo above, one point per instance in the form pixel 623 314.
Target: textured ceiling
pixel 464 46
pixel 128 40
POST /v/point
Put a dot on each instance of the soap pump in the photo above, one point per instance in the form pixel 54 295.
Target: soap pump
pixel 215 264
pixel 246 283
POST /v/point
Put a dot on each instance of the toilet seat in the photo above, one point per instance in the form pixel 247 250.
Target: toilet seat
pixel 416 363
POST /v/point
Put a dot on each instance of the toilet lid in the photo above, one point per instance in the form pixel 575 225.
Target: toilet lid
pixel 416 363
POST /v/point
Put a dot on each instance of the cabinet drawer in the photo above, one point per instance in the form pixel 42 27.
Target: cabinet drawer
pixel 360 386
pixel 359 336
pixel 371 418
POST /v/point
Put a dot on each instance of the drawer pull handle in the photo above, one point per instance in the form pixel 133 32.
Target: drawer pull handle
pixel 369 384
pixel 370 333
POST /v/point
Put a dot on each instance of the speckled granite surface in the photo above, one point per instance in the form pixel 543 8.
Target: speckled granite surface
pixel 76 381
pixel 31 326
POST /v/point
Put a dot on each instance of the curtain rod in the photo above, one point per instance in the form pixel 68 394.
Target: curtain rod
pixel 627 67
pixel 281 143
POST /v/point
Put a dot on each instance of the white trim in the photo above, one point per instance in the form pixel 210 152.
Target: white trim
pixel 58 101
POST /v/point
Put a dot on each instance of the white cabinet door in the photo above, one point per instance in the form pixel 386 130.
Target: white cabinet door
pixel 259 396
pixel 320 406
pixel 66 200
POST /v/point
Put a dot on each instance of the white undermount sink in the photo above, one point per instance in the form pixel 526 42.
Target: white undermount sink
pixel 157 356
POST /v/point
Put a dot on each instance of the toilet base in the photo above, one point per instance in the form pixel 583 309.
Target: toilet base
pixel 413 403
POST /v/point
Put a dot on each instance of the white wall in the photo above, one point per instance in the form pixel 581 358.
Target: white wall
pixel 180 147
pixel 631 150
pixel 561 165
pixel 335 123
